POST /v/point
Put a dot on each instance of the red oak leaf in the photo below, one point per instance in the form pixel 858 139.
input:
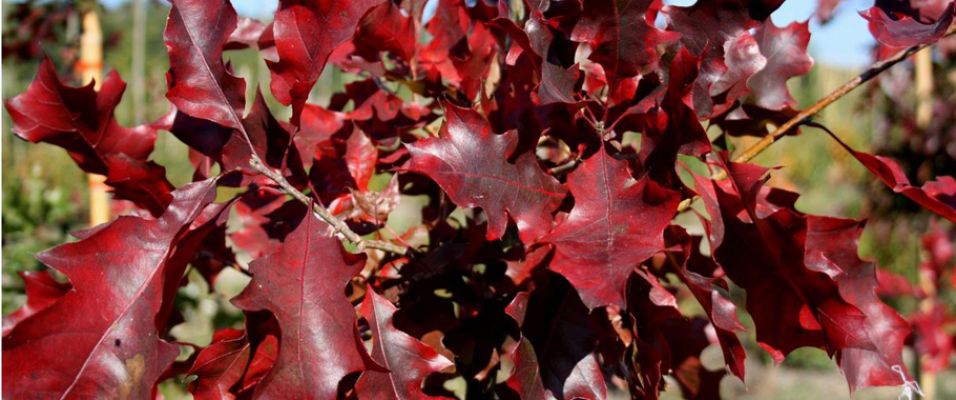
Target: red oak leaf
pixel 622 35
pixel 473 67
pixel 906 30
pixel 668 342
pixel 252 209
pixel 786 53
pixel 697 270
pixel 742 59
pixel 938 196
pixel 360 156
pixel 42 292
pixel 306 32
pixel 461 162
pixel 262 361
pixel 317 127
pixel 104 335
pixel 303 285
pixel 387 28
pixel 616 224
pixel 805 284
pixel 705 29
pixel 447 30
pixel 246 35
pixel 557 82
pixel 220 365
pixel 408 361
pixel 200 83
pixel 682 132
pixel 525 379
pixel 81 121
pixel 558 325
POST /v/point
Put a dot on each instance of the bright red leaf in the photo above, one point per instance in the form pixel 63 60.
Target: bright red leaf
pixel 42 292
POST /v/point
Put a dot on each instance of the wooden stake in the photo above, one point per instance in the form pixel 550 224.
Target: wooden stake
pixel 923 65
pixel 90 67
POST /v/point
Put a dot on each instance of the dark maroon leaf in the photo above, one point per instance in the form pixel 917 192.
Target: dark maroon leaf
pixel 697 272
pixel 557 81
pixel 681 132
pixel 805 284
pixel 559 327
pixel 622 35
pixel 706 27
pixel 668 342
pixel 605 99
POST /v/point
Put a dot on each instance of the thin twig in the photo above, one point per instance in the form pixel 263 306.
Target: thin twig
pixel 337 225
pixel 806 115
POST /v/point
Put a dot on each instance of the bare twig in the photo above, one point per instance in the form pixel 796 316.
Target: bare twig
pixel 805 115
pixel 337 225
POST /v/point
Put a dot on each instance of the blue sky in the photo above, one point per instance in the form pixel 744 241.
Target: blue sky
pixel 844 41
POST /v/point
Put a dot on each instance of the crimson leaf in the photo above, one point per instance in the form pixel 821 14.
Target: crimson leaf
pixel 119 274
pixel 408 361
pixel 81 121
pixel 616 224
pixel 805 284
pixel 200 83
pixel 906 31
pixel 938 196
pixel 303 284
pixel 306 32
pixel 470 163
pixel 220 365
